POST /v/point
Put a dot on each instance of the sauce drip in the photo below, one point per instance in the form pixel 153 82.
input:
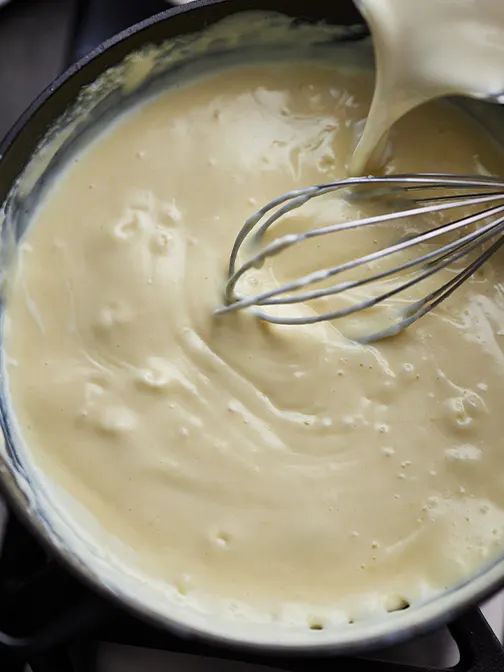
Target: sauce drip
pixel 427 49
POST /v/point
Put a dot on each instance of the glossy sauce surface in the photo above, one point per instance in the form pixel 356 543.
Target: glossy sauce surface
pixel 287 468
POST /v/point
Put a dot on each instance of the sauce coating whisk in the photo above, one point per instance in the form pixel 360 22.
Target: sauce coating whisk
pixel 476 233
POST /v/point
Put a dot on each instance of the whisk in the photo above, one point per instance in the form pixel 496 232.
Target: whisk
pixel 479 232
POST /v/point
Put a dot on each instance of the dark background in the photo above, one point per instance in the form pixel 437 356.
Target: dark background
pixel 39 38
pixel 34 38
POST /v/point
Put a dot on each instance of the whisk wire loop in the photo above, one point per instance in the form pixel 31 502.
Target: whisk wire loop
pixel 464 191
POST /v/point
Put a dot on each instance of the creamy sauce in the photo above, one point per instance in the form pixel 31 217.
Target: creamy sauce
pixel 426 49
pixel 310 478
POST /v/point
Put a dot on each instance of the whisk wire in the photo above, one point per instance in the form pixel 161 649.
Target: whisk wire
pixel 285 241
pixel 431 261
pixel 432 264
pixel 317 276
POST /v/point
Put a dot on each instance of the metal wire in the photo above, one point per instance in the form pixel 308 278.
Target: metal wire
pixel 474 231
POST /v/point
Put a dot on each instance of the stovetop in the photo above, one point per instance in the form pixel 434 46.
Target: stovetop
pixel 49 622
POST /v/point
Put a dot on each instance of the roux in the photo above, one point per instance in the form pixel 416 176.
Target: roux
pixel 286 468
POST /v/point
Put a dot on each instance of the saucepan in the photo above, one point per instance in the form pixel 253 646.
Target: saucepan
pixel 58 119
